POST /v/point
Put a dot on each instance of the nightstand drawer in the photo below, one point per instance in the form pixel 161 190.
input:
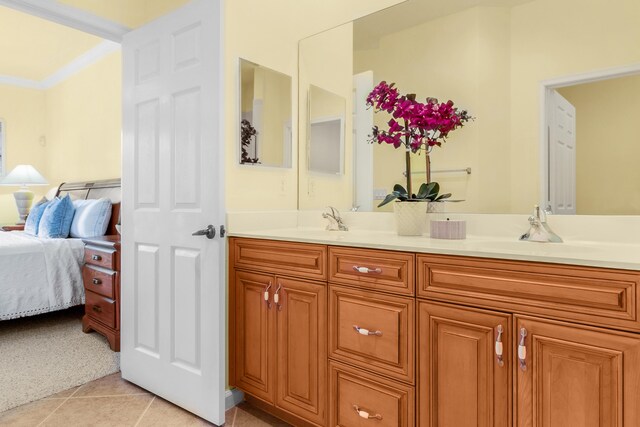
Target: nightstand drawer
pixel 385 271
pixel 373 331
pixel 360 399
pixel 99 280
pixel 101 257
pixel 100 308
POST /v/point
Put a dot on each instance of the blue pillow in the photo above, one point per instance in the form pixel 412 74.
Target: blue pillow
pixel 56 219
pixel 33 220
pixel 91 218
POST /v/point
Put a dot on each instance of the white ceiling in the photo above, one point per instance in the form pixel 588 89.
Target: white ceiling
pixel 411 13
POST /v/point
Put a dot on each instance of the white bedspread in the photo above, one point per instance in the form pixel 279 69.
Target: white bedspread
pixel 39 275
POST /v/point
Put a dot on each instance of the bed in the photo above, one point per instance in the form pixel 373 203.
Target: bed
pixel 43 275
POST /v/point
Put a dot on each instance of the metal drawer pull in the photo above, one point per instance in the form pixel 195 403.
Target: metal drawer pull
pixel 266 296
pixel 276 298
pixel 96 281
pixel 363 331
pixel 522 349
pixel 499 348
pixel 365 414
pixel 96 258
pixel 367 270
pixel 97 308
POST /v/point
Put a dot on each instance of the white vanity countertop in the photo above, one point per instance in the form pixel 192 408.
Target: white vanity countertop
pixel 595 254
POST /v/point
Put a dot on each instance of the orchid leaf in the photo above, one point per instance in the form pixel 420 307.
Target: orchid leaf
pixel 390 197
pixel 442 197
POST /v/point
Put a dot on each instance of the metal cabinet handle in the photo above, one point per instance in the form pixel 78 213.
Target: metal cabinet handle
pixel 96 257
pixel 97 308
pixel 363 331
pixel 276 297
pixel 364 414
pixel 522 349
pixel 96 281
pixel 367 270
pixel 209 232
pixel 499 347
pixel 266 296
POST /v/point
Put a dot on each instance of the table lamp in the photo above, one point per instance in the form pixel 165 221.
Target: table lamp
pixel 23 176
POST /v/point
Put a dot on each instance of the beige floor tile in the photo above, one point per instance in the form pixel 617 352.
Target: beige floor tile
pixel 99 412
pixel 63 394
pixel 229 417
pixel 249 416
pixel 111 385
pixel 28 415
pixel 165 414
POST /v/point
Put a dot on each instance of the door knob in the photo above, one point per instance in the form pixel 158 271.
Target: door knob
pixel 210 232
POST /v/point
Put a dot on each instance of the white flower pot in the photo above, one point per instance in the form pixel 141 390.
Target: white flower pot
pixel 411 218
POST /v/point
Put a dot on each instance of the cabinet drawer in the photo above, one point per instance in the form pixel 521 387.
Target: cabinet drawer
pixel 373 331
pixel 357 395
pixel 99 280
pixel 101 308
pixel 101 257
pixel 286 258
pixel 386 271
pixel 585 294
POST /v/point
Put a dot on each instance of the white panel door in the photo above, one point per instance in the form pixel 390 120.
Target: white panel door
pixel 363 150
pixel 562 155
pixel 173 292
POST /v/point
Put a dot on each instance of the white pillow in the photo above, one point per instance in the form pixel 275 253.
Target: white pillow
pixel 91 218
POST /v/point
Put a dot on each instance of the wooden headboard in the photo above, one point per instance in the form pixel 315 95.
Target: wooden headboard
pixel 109 188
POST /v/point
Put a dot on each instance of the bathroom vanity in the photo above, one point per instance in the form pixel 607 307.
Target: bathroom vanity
pixel 330 334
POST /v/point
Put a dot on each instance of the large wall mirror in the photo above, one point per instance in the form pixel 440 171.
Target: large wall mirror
pixel 265 116
pixel 554 86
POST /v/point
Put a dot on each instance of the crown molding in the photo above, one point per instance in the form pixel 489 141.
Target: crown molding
pixel 71 17
pixel 88 58
pixel 83 61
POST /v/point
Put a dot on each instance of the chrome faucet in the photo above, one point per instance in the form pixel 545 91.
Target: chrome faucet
pixel 335 220
pixel 539 230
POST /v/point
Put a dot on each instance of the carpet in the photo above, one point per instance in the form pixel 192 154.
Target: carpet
pixel 45 354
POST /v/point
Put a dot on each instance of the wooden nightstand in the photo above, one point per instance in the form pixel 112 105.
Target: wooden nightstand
pixel 101 276
pixel 17 227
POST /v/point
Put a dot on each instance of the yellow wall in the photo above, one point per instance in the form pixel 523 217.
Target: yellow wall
pixel 70 132
pixel 608 146
pixel 23 113
pixel 549 39
pixel 83 121
pixel 269 36
pixel 326 61
pixel 463 57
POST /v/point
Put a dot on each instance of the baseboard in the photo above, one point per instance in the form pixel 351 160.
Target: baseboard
pixel 232 398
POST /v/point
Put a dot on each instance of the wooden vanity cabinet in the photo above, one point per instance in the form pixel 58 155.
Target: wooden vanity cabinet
pixel 279 336
pixel 465 367
pixel 576 376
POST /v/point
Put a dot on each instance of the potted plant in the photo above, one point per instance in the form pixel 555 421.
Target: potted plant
pixel 247 132
pixel 417 127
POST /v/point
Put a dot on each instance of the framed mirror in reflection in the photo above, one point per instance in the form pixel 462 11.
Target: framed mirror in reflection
pixel 519 67
pixel 265 116
pixel 325 149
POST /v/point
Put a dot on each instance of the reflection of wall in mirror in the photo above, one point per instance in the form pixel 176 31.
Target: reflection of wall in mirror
pixel 326 61
pixel 607 127
pixel 553 38
pixel 463 57
pixel 269 35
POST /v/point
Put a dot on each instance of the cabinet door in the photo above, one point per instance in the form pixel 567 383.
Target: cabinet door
pixel 575 376
pixel 254 335
pixel 302 348
pixel 462 382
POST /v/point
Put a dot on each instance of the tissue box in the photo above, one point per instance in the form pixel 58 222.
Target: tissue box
pixel 448 229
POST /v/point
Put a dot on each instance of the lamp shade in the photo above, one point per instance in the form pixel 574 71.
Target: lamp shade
pixel 24 175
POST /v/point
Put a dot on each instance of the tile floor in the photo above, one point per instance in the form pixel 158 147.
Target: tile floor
pixel 114 402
